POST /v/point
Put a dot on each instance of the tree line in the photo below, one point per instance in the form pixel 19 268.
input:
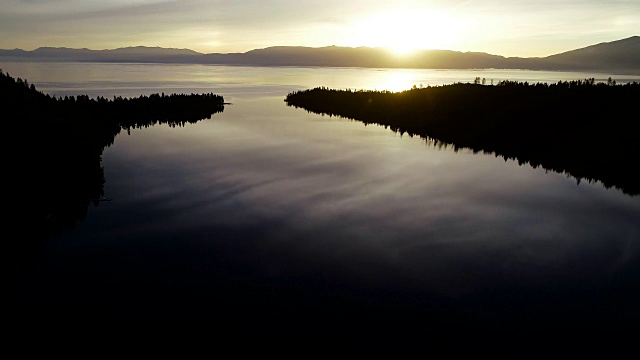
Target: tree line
pixel 57 143
pixel 584 128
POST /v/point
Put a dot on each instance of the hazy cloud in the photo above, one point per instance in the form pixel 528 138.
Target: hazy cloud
pixel 520 27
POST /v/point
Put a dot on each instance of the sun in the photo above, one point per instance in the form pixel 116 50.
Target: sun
pixel 404 31
pixel 403 46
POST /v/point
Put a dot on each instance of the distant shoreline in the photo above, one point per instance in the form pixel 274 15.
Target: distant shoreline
pixel 616 57
pixel 595 71
pixel 603 72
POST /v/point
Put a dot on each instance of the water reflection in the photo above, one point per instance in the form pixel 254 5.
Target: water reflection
pixel 268 223
pixel 66 142
pixel 270 235
pixel 558 133
pixel 247 82
pixel 394 80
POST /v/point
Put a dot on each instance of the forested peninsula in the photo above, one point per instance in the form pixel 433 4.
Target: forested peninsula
pixel 585 129
pixel 57 145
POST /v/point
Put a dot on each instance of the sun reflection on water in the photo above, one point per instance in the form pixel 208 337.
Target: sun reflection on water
pixel 393 80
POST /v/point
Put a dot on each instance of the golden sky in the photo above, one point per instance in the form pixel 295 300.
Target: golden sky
pixel 509 28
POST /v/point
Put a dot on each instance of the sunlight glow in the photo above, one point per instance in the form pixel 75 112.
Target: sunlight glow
pixel 403 31
pixel 393 80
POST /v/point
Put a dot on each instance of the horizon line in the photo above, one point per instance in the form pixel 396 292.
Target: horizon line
pixel 409 53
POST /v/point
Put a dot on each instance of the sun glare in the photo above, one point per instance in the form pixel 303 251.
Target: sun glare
pixel 404 31
pixel 393 80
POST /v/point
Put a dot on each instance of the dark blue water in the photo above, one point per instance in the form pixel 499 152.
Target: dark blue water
pixel 269 221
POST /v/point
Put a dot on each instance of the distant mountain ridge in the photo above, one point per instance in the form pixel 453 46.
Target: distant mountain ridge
pixel 618 56
pixel 623 53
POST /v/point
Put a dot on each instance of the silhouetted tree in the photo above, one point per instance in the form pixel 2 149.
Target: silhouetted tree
pixel 555 126
pixel 60 161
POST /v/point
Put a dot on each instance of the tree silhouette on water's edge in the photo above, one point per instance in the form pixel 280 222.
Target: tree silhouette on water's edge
pixel 57 146
pixel 585 129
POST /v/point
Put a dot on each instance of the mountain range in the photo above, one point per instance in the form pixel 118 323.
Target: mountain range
pixel 620 56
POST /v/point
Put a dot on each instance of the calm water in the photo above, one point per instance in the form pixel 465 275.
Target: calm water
pixel 272 219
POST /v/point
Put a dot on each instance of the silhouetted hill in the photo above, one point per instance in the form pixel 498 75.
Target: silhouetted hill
pixel 128 54
pixel 335 56
pixel 622 56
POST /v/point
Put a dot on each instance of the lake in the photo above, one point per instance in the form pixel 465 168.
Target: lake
pixel 269 220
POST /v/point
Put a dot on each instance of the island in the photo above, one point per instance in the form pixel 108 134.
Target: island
pixel 585 129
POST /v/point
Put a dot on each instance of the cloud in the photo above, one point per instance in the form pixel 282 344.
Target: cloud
pixel 230 26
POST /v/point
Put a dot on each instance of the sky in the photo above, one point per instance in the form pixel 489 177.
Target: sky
pixel 509 28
